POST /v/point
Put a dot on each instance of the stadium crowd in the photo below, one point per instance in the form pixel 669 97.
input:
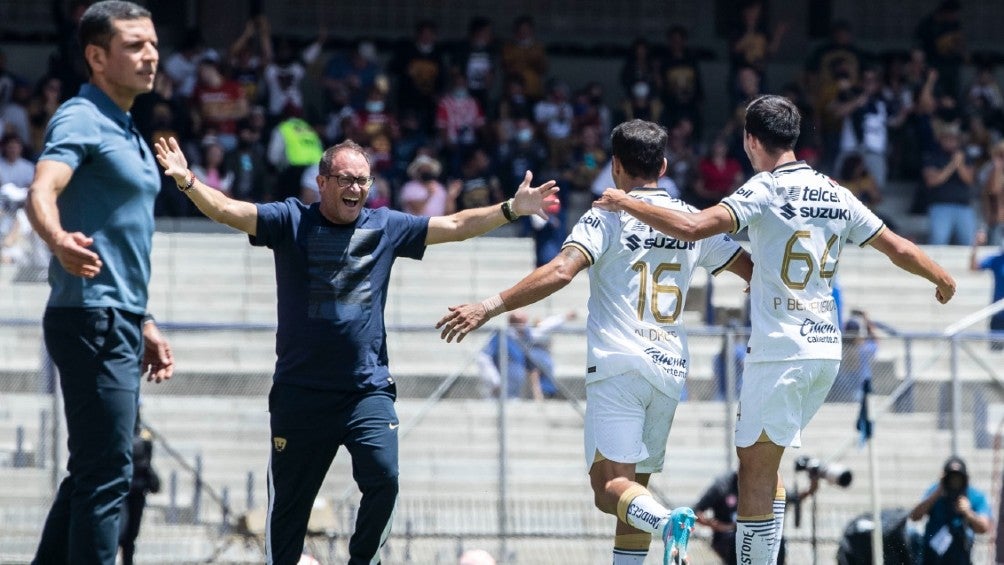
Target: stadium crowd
pixel 452 125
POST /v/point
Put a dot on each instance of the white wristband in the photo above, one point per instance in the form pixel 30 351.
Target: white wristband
pixel 493 306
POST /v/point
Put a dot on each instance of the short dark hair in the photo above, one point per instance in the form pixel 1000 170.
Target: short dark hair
pixel 96 25
pixel 774 121
pixel 640 146
pixel 324 167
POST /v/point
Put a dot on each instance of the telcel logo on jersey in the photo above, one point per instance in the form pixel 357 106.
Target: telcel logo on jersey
pixel 633 242
pixel 815 332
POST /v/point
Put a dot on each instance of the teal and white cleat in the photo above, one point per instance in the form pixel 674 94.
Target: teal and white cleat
pixel 676 535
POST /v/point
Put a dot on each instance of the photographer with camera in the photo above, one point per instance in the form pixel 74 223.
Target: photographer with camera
pixel 956 513
pixel 717 509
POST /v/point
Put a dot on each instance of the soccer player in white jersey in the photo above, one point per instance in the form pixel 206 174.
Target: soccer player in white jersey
pixel 798 222
pixel 637 358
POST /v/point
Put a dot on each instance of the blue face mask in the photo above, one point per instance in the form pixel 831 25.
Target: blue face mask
pixel 524 135
pixel 374 106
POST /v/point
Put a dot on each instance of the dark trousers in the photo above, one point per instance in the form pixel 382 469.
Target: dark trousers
pixel 98 353
pixel 308 426
pixel 129 521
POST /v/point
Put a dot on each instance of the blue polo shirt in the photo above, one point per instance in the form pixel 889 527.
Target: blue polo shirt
pixel 109 198
pixel 332 288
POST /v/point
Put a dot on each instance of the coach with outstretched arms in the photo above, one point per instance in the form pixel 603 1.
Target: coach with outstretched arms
pixel 332 386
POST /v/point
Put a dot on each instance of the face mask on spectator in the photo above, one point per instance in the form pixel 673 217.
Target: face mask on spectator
pixel 640 90
pixel 524 135
pixel 374 106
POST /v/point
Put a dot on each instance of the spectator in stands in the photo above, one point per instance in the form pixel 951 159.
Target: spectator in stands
pixel 990 179
pixel 681 88
pixel 835 60
pixel 407 146
pixel 212 168
pixel 554 118
pixel 521 371
pixel 476 59
pixel 523 152
pixel 14 116
pixel 984 96
pixel 337 112
pixel 424 195
pixel 640 66
pixel 479 186
pixel 590 111
pixel 641 104
pixel 682 160
pixel 247 61
pixel 948 176
pixel 97 177
pixel 854 176
pixel 751 44
pixel 183 65
pixel 633 383
pixel 523 55
pixel 219 104
pixel 247 163
pixel 860 342
pixel 354 73
pixel 719 175
pixel 420 70
pixel 333 262
pixel 995 264
pixel 720 500
pixel 14 168
pixel 864 131
pixel 941 37
pixel 67 63
pixel 284 73
pixel 145 480
pixel 549 234
pixel 459 121
pixel 293 146
pixel 588 157
pixel 956 511
pixel 376 118
pixel 513 105
pixel 42 106
pixel 809 146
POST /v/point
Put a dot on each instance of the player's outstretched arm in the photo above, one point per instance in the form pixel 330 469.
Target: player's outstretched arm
pixel 680 225
pixel 214 204
pixel 471 223
pixel 912 259
pixel 541 283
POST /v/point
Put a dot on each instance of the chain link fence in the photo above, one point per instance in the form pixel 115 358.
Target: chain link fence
pixel 505 474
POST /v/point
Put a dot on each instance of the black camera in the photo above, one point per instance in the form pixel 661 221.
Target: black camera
pixel 834 474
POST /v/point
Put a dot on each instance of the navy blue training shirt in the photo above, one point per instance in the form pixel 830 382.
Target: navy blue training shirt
pixel 332 288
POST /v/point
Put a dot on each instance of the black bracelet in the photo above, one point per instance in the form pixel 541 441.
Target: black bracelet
pixel 148 317
pixel 508 212
pixel 191 182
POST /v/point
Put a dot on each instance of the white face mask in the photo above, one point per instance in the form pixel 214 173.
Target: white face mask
pixel 524 135
pixel 640 90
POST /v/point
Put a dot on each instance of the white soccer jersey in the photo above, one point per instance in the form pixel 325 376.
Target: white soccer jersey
pixel 798 221
pixel 638 283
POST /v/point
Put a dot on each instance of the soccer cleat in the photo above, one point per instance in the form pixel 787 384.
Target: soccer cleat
pixel 676 534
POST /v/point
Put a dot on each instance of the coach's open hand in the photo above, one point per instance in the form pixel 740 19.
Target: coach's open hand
pixel 530 199
pixel 461 321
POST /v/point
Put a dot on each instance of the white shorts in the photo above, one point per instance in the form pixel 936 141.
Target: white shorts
pixel 628 421
pixel 780 397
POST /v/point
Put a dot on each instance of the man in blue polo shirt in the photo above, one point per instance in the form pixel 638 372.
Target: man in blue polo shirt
pixel 91 201
pixel 332 386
